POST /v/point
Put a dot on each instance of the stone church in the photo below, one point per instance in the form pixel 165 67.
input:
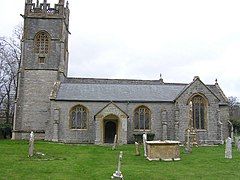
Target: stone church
pixel 92 110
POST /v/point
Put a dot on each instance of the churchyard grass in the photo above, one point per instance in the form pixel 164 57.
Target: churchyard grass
pixel 90 162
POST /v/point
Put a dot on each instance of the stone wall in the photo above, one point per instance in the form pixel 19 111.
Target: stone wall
pixel 210 134
pixel 88 136
pixel 32 110
pixel 33 105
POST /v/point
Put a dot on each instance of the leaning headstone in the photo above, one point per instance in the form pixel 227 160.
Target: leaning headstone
pixel 188 148
pixel 118 174
pixel 228 149
pixel 31 144
pixel 144 144
pixel 137 149
pixel 115 142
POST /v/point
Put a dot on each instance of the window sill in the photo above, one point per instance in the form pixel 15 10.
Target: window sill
pixel 141 130
pixel 78 129
pixel 201 130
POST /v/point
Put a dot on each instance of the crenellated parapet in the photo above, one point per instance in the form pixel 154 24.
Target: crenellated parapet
pixel 44 9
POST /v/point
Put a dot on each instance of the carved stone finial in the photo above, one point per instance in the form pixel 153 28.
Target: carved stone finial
pixel 61 2
pixel 161 79
pixel 195 78
pixel 216 81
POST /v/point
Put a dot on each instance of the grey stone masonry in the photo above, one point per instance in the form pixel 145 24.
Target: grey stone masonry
pixel 49 103
pixel 36 79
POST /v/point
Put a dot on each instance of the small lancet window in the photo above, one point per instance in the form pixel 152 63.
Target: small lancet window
pixel 41 60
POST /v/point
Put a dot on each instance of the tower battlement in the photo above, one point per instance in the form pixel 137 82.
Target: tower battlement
pixel 44 9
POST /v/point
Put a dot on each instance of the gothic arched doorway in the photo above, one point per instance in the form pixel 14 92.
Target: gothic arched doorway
pixel 110 129
pixel 109 121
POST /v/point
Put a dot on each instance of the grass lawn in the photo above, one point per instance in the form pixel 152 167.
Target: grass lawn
pixel 64 161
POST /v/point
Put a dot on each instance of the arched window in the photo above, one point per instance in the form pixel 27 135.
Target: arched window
pixel 41 45
pixel 78 117
pixel 199 112
pixel 141 118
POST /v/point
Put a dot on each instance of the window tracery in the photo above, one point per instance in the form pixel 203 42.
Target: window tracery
pixel 78 117
pixel 199 112
pixel 42 45
pixel 141 118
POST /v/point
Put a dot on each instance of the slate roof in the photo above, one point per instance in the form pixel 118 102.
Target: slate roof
pixel 119 92
pixel 219 93
pixel 124 90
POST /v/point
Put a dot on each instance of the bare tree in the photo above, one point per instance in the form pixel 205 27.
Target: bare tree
pixel 234 105
pixel 234 112
pixel 9 67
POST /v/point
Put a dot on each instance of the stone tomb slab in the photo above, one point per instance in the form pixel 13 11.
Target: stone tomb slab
pixel 163 150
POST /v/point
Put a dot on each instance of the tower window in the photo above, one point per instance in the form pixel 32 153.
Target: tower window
pixel 41 60
pixel 42 43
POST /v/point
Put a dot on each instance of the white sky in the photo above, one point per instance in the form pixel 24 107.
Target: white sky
pixel 139 39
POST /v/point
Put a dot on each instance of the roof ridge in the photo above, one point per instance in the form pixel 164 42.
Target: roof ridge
pixel 118 81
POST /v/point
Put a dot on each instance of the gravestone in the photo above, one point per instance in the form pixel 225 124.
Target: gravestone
pixel 114 142
pixel 188 147
pixel 232 138
pixel 228 149
pixel 137 149
pixel 118 174
pixel 238 146
pixel 236 141
pixel 144 144
pixel 31 144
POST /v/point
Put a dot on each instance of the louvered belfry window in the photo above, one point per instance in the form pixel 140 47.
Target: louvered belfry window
pixel 42 43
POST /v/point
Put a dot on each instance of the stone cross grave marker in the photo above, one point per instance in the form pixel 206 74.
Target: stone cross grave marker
pixel 114 142
pixel 144 144
pixel 31 144
pixel 118 174
pixel 228 149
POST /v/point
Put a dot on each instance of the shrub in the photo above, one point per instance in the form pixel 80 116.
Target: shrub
pixel 5 130
pixel 139 137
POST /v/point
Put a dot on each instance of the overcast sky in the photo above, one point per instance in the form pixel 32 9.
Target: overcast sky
pixel 139 39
